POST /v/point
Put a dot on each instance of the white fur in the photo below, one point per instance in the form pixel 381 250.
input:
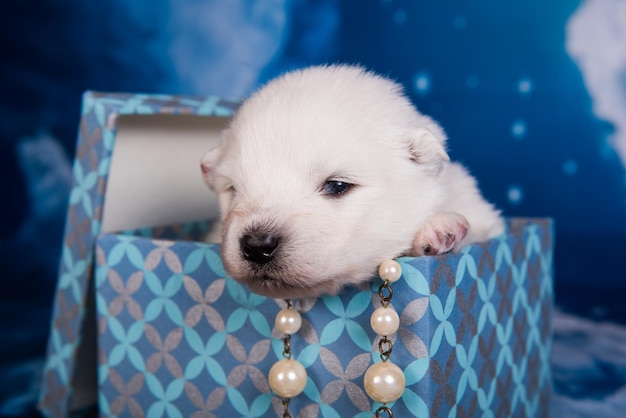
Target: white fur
pixel 337 123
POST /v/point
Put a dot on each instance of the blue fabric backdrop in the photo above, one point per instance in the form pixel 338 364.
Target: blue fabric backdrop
pixel 532 95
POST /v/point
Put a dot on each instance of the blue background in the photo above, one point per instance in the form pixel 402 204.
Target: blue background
pixel 521 110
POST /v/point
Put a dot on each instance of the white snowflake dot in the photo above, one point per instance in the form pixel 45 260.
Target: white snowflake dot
pixel 422 83
pixel 525 86
pixel 515 194
pixel 518 129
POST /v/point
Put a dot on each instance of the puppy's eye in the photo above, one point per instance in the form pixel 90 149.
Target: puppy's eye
pixel 336 188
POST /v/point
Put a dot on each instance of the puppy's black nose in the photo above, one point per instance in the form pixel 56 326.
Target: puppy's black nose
pixel 258 247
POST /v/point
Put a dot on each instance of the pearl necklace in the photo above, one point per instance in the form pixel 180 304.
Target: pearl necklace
pixel 384 381
pixel 287 377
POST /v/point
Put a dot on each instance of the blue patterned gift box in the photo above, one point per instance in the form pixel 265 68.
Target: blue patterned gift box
pixel 176 337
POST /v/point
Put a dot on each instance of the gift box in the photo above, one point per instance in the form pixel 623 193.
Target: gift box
pixel 147 323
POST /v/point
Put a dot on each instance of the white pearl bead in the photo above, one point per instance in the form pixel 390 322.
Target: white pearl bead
pixel 390 270
pixel 384 382
pixel 288 321
pixel 385 321
pixel 287 378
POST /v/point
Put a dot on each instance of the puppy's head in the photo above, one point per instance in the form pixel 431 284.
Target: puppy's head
pixel 323 174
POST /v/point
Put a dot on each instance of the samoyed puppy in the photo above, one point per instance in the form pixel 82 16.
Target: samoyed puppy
pixel 327 171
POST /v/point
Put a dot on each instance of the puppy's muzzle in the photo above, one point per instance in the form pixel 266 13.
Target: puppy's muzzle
pixel 259 247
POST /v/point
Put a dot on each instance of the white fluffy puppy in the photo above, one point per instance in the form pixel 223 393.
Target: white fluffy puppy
pixel 326 172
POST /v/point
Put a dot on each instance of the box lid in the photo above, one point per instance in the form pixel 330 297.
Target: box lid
pixel 110 136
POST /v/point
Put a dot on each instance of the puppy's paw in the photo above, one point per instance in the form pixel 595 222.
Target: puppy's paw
pixel 441 233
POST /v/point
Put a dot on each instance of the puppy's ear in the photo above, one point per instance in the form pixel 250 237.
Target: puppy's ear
pixel 426 148
pixel 207 165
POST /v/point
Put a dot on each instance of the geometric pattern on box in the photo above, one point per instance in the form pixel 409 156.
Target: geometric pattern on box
pixel 96 140
pixel 474 336
pixel 178 338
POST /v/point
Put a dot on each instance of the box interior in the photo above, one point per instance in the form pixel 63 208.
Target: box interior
pixel 155 171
